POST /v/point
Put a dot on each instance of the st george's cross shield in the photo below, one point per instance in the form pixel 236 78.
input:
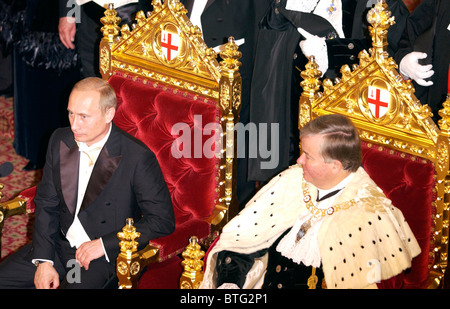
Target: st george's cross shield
pixel 170 44
pixel 378 100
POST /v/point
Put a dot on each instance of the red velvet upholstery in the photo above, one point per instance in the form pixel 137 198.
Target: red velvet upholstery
pixel 409 183
pixel 149 112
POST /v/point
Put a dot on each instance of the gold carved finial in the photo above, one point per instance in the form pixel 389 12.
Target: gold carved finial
pixel 193 265
pixel 157 5
pixel 177 7
pixel 380 19
pixel 310 83
pixel 128 238
pixel 110 23
pixel 230 56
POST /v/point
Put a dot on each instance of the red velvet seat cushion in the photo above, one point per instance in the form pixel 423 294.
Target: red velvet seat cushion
pixel 151 113
pixel 408 182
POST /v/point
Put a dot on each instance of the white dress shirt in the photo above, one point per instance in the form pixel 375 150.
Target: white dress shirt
pixel 76 235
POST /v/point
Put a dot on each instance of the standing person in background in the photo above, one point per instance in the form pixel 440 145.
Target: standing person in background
pixel 83 32
pixel 334 31
pixel 218 20
pixel 424 52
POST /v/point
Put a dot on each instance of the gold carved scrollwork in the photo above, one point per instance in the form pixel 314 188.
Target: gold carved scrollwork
pixel 135 268
pixel 443 155
pixel 237 96
pixel 225 97
pixel 105 60
pixel 122 268
pixel 444 122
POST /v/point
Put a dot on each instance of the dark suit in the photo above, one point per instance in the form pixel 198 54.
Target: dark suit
pixel 88 35
pixel 419 36
pixel 126 182
pixel 276 79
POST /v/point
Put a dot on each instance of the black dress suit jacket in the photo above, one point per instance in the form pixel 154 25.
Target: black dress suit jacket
pixel 435 44
pixel 126 182
pixel 240 19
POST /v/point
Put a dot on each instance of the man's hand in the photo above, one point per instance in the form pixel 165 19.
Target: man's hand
pixel 67 29
pixel 89 251
pixel 410 67
pixel 46 276
pixel 316 46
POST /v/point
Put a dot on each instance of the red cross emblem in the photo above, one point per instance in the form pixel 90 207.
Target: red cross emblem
pixel 378 100
pixel 170 42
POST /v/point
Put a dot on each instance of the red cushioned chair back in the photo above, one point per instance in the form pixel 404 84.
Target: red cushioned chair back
pixel 168 122
pixel 409 183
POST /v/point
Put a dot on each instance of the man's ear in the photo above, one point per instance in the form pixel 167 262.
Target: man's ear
pixel 110 113
pixel 337 166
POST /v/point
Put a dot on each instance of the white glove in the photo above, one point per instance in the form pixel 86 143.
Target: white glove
pixel 315 46
pixel 410 67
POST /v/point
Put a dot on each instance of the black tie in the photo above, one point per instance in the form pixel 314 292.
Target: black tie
pixel 327 195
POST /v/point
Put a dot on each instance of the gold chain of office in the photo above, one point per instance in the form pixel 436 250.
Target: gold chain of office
pixel 318 212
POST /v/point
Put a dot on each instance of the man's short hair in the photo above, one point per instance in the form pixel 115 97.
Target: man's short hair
pixel 341 139
pixel 108 97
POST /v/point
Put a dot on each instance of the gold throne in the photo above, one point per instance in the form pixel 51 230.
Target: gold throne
pixel 404 151
pixel 165 75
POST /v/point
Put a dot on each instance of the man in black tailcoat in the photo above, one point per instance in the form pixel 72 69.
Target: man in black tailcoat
pixel 424 52
pixel 275 88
